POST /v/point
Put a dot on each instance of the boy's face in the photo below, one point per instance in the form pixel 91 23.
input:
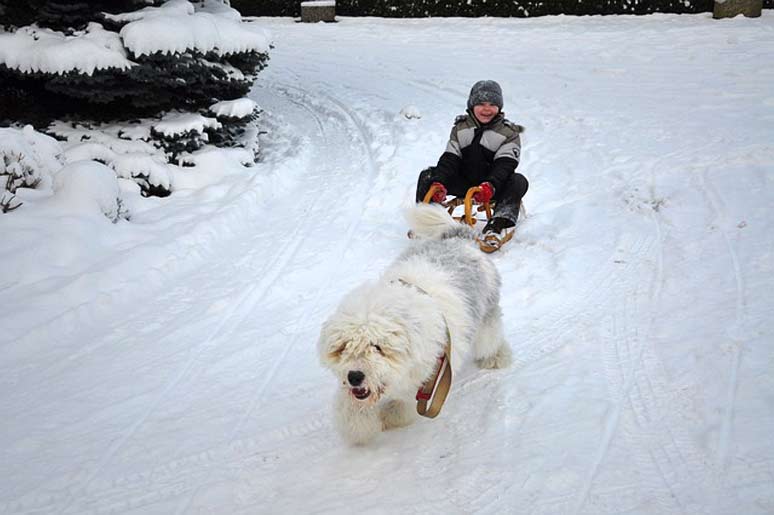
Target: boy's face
pixel 485 111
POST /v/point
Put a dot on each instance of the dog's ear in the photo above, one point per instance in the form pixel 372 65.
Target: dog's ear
pixel 335 352
pixel 330 345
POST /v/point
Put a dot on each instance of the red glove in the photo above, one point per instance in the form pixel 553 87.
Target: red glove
pixel 440 192
pixel 485 194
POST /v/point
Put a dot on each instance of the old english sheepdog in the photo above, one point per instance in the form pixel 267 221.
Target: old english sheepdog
pixel 384 340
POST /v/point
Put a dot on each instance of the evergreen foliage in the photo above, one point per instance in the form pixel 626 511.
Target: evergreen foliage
pixel 476 8
pixel 186 80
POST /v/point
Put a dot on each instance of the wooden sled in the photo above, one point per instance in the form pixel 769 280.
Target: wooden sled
pixel 488 242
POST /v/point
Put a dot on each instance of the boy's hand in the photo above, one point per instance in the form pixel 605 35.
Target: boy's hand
pixel 485 194
pixel 440 192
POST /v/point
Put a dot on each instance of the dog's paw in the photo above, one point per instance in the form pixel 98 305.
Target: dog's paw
pixel 395 414
pixel 501 359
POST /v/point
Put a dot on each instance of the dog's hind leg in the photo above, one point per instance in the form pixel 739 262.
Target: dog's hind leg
pixel 490 348
pixel 356 421
pixel 396 414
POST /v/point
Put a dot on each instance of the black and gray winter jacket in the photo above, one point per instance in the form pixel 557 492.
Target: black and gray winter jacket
pixel 480 152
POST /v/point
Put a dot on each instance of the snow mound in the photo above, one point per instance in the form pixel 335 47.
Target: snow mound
pixel 410 112
pixel 33 49
pixel 240 108
pixel 88 187
pixel 175 124
pixel 176 27
pixel 142 168
pixel 219 8
pixel 212 158
pixel 172 8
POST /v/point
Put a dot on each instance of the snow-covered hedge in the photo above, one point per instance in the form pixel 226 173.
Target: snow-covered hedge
pixel 474 8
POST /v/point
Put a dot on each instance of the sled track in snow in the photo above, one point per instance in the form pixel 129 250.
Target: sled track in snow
pixel 348 236
pixel 297 98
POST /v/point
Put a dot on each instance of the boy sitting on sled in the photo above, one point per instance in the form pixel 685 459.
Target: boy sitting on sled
pixel 483 150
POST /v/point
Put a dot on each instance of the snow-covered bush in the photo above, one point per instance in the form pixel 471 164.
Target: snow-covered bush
pixel 27 160
pixel 167 62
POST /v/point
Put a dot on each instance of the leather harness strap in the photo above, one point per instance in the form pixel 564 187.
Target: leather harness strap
pixel 432 395
pixel 435 390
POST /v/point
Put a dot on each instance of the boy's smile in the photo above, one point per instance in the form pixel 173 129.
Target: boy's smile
pixel 484 112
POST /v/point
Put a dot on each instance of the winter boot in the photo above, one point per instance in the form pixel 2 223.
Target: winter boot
pixel 497 225
pixel 496 233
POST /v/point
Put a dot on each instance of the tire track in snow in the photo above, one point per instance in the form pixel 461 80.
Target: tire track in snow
pixel 622 348
pixel 647 414
pixel 564 318
pixel 182 475
pixel 737 332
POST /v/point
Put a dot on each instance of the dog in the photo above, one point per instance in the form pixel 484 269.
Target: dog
pixel 384 339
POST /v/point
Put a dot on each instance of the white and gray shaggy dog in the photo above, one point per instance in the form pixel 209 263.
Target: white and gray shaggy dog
pixel 384 340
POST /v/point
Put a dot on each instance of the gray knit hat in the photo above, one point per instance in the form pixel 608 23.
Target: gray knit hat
pixel 486 91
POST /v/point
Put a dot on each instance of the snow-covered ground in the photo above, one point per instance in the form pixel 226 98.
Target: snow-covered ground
pixel 167 364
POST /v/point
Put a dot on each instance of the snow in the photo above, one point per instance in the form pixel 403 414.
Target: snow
pixel 239 108
pixel 175 28
pixel 34 49
pixel 166 363
pixel 170 8
pixel 28 156
pixel 410 112
pixel 88 188
pixel 181 123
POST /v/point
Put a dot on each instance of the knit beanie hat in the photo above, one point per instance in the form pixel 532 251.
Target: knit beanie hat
pixel 486 91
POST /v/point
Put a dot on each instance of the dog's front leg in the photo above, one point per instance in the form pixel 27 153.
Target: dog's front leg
pixel 397 413
pixel 358 422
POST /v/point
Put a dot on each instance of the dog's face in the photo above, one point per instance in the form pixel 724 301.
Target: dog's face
pixel 367 358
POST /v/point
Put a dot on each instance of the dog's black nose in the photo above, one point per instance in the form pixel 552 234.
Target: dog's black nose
pixel 355 377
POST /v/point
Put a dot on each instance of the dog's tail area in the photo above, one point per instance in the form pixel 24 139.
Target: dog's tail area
pixel 433 222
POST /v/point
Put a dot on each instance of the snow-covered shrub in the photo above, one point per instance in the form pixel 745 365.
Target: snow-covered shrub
pixel 151 152
pixel 238 120
pixel 27 160
pixel 183 132
pixel 156 60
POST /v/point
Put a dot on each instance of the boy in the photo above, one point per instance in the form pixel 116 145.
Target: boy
pixel 483 150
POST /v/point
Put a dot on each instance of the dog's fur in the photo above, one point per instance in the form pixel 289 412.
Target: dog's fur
pixel 388 335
